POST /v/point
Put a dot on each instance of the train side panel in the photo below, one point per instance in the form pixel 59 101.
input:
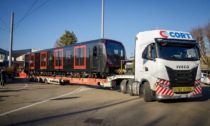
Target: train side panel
pixel 87 59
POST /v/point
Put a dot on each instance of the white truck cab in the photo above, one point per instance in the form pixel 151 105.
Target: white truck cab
pixel 167 65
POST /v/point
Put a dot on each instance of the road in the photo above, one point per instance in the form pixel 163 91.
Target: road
pixel 30 103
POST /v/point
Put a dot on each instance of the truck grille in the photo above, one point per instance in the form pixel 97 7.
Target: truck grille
pixel 180 78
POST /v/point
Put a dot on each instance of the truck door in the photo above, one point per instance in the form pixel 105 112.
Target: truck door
pixel 149 63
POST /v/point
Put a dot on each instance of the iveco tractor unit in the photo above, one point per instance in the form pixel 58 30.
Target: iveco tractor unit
pixel 166 66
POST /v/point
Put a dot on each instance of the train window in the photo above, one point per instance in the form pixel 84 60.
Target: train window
pixel 100 52
pixel 122 53
pixel 43 60
pixel 32 61
pixel 68 54
pixel 58 59
pixel 80 56
pixel 95 51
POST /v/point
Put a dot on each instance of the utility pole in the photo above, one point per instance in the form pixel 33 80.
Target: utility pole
pixel 102 20
pixel 11 38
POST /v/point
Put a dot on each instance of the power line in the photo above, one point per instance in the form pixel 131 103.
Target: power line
pixel 3 29
pixel 39 7
pixel 28 13
pixel 4 23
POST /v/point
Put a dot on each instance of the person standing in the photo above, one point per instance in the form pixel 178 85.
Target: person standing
pixel 2 78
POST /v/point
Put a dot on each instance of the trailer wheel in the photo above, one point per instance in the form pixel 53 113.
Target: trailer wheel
pixel 2 82
pixel 146 91
pixel 41 80
pixel 45 81
pixel 61 83
pixel 123 87
pixel 130 87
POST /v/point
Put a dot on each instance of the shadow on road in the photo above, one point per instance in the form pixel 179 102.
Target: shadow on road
pixel 205 95
pixel 65 98
pixel 73 113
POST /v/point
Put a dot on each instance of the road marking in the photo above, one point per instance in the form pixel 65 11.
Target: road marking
pixel 25 86
pixel 28 106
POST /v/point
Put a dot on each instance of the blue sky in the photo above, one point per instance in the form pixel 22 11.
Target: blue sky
pixel 47 20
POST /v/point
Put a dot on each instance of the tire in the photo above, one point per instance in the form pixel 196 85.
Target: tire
pixel 45 81
pixel 146 92
pixel 123 87
pixel 61 83
pixel 2 82
pixel 130 87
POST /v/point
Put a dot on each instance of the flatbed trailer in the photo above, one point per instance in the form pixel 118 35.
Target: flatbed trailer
pixel 109 82
pixel 69 80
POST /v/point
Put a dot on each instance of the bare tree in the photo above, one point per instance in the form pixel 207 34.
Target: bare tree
pixel 199 34
pixel 57 42
pixel 207 31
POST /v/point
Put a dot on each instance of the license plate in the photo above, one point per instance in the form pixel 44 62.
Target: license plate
pixel 182 89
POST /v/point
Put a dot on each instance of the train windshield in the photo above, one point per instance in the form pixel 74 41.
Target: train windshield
pixel 178 51
pixel 115 52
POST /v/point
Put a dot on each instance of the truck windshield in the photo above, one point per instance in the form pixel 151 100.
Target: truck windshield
pixel 115 52
pixel 178 51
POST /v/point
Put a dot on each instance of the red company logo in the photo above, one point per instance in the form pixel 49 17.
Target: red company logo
pixel 164 34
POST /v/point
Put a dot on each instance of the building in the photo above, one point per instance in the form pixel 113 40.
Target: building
pixel 17 57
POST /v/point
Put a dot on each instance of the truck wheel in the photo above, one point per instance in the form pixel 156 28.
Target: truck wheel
pixel 130 87
pixel 146 91
pixel 123 87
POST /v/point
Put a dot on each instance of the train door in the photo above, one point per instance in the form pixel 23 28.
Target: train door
pixel 97 54
pixel 95 57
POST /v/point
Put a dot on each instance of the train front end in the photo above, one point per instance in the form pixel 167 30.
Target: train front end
pixel 115 53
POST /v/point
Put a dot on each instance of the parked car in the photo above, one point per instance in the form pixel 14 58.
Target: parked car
pixel 205 78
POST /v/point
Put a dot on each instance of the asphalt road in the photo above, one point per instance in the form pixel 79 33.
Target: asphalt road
pixel 27 103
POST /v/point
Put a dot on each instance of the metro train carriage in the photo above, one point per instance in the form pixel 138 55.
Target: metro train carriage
pixel 97 58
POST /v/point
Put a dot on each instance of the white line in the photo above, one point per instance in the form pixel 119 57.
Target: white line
pixel 26 85
pixel 40 102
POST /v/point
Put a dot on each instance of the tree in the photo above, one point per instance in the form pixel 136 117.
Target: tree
pixel 66 39
pixel 57 43
pixel 207 31
pixel 199 34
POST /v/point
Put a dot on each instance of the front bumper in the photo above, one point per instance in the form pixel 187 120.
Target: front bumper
pixel 163 91
pixel 178 96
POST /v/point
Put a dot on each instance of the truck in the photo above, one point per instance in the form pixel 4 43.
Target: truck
pixel 166 66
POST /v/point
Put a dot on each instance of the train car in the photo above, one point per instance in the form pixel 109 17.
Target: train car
pixel 97 58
